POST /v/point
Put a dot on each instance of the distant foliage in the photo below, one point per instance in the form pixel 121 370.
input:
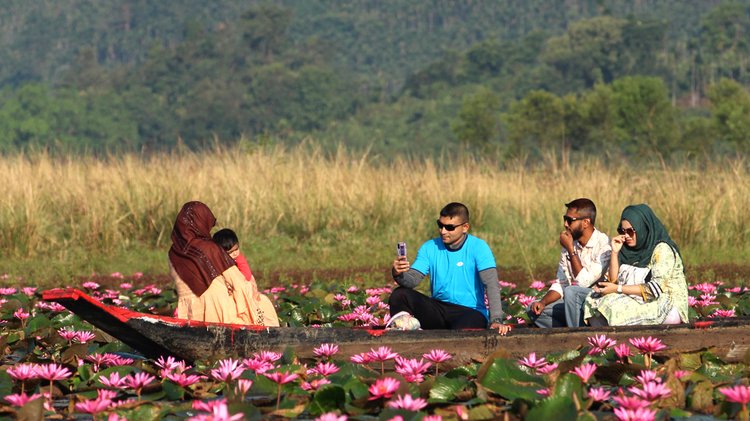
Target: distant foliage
pixel 393 77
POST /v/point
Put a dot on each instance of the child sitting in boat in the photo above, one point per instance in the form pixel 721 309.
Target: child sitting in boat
pixel 228 240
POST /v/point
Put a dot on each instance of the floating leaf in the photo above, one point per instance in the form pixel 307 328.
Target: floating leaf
pixel 568 385
pixel 328 398
pixel 702 398
pixel 445 389
pixel 559 408
pixel 505 378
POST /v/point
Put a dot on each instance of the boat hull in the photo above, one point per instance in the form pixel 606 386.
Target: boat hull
pixel 156 336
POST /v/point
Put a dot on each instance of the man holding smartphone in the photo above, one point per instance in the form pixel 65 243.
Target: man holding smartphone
pixel 462 269
pixel 584 260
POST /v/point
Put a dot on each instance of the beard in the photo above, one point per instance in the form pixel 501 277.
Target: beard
pixel 576 234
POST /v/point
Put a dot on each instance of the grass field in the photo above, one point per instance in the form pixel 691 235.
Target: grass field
pixel 299 209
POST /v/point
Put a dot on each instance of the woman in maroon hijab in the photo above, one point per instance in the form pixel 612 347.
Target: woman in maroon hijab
pixel 209 286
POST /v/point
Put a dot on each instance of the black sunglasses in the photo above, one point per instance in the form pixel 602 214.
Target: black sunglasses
pixel 570 219
pixel 629 231
pixel 448 227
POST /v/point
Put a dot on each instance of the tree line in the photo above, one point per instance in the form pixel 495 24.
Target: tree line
pixel 601 77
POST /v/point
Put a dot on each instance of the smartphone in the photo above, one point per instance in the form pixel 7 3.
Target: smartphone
pixel 401 249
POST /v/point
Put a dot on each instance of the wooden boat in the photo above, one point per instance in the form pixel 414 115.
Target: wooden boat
pixel 156 336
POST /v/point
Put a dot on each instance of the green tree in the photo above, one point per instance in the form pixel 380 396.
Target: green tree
pixel 730 108
pixel 536 123
pixel 478 120
pixel 264 29
pixel 645 115
pixel 724 41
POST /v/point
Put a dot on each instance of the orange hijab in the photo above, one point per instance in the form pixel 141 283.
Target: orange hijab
pixel 194 255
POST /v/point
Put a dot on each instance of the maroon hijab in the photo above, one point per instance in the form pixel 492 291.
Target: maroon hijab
pixel 194 255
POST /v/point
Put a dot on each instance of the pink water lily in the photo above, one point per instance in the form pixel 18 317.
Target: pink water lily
pixel 407 402
pixel 739 393
pixel 585 371
pixel 721 313
pixel 256 365
pixel 532 361
pixel 600 344
pixel 640 414
pixel 138 381
pixel 548 368
pixel 170 363
pixel 538 285
pixel 67 333
pixel 21 399
pixel 326 350
pixel 219 412
pixel 647 345
pixel 631 402
pixel 84 336
pixel 184 380
pixel 382 355
pixel 599 394
pixel 52 372
pixel 114 380
pixel 93 406
pixel 651 391
pixel 679 374
pixel 24 371
pixel 229 369
pixel 362 358
pixel 314 385
pixel 280 379
pixel 437 356
pixel 268 356
pixel 647 376
pixel 383 388
pixel 622 351
pixel 331 416
pixel 21 315
pixel 8 291
pixel 412 370
pixel 325 369
pixel 90 285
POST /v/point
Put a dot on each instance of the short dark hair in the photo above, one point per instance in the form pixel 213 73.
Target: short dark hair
pixel 454 209
pixel 225 238
pixel 585 207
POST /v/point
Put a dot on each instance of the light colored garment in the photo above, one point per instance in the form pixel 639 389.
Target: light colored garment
pixel 229 299
pixel 668 274
pixel 594 257
pixel 633 275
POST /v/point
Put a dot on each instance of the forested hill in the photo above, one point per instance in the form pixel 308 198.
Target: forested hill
pixel 380 39
pixel 398 76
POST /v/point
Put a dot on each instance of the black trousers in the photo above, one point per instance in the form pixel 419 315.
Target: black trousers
pixel 435 314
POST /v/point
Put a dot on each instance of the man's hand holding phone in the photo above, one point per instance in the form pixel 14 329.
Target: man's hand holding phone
pixel 400 265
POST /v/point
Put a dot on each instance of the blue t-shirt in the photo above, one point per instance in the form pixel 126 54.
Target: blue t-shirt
pixel 454 274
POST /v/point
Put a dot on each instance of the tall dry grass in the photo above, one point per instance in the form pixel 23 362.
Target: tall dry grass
pixel 345 208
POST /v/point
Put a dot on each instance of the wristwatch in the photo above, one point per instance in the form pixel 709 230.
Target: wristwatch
pixel 619 288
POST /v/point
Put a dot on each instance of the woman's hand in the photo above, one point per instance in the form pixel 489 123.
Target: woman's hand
pixel 617 243
pixel 605 288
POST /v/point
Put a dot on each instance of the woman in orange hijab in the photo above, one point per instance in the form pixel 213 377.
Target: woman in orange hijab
pixel 210 287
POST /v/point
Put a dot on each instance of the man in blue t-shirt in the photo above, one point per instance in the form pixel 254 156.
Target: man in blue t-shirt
pixel 461 269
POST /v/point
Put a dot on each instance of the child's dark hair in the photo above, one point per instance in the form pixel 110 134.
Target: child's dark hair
pixel 225 238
